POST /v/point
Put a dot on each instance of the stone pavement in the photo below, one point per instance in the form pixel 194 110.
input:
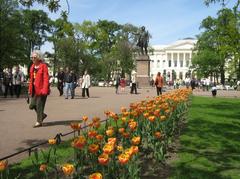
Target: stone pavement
pixel 16 119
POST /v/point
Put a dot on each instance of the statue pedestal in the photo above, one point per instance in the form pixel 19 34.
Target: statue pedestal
pixel 143 70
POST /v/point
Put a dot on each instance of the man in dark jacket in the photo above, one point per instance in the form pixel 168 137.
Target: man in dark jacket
pixel 60 77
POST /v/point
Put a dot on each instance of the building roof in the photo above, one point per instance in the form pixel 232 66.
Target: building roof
pixel 185 43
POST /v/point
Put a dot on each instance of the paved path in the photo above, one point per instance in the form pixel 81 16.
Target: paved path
pixel 16 119
pixel 16 129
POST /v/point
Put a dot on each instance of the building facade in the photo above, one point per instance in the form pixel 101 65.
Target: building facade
pixel 173 60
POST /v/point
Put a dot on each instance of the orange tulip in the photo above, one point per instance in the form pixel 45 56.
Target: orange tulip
pixel 112 141
pixel 121 130
pixel 136 140
pixel 125 114
pixel 146 115
pixel 99 137
pixel 167 111
pixel 103 159
pixel 3 165
pixel 134 149
pixel 120 148
pixel 96 176
pixel 68 169
pixel 123 109
pixel 75 125
pixel 132 125
pixel 123 158
pixel 162 118
pixel 79 142
pixel 96 119
pixel 108 148
pixel 110 132
pixel 52 141
pixel 151 118
pixel 156 112
pixel 129 151
pixel 96 124
pixel 85 118
pixel 158 135
pixel 43 167
pixel 93 148
pixel 107 113
pixel 92 134
pixel 126 134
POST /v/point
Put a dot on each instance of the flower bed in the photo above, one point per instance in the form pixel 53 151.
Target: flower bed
pixel 116 149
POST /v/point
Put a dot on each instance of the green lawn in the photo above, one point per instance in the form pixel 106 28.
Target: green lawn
pixel 210 142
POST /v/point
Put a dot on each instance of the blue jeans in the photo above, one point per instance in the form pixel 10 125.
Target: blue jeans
pixel 67 87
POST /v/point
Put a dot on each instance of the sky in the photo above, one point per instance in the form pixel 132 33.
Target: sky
pixel 166 20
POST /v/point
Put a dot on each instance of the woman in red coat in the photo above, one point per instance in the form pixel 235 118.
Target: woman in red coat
pixel 38 86
pixel 159 83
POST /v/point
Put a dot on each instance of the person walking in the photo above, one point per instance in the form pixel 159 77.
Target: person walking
pixel 159 83
pixel 193 83
pixel 18 79
pixel 68 83
pixel 74 85
pixel 117 83
pixel 8 83
pixel 60 77
pixel 122 84
pixel 85 83
pixel 134 84
pixel 39 86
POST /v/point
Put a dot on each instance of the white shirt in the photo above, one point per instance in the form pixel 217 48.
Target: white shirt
pixel 86 81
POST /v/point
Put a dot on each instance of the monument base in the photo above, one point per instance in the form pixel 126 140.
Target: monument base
pixel 143 71
pixel 143 82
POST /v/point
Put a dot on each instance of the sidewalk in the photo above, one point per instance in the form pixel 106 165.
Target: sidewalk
pixel 16 129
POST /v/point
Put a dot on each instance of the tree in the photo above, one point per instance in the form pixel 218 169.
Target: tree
pixel 60 29
pixel 223 2
pixel 12 48
pixel 220 39
pixel 53 5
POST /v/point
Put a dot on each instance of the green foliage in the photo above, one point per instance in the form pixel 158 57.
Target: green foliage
pixel 218 45
pixel 12 48
pixel 210 143
pixel 21 31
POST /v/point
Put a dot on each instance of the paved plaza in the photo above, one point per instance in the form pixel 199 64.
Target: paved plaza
pixel 16 129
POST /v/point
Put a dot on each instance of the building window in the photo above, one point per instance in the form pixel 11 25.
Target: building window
pixel 175 63
pixel 169 63
pixel 158 62
pixel 169 56
pixel 175 59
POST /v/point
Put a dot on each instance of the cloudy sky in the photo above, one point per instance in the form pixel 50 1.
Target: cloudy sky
pixel 166 20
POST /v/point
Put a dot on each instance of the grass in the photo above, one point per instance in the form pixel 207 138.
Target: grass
pixel 210 143
pixel 25 168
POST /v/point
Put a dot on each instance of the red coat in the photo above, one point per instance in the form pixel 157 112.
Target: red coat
pixel 159 81
pixel 41 82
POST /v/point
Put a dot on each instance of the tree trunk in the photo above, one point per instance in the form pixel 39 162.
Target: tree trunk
pixel 222 74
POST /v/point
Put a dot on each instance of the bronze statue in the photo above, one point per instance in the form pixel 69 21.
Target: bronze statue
pixel 143 39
